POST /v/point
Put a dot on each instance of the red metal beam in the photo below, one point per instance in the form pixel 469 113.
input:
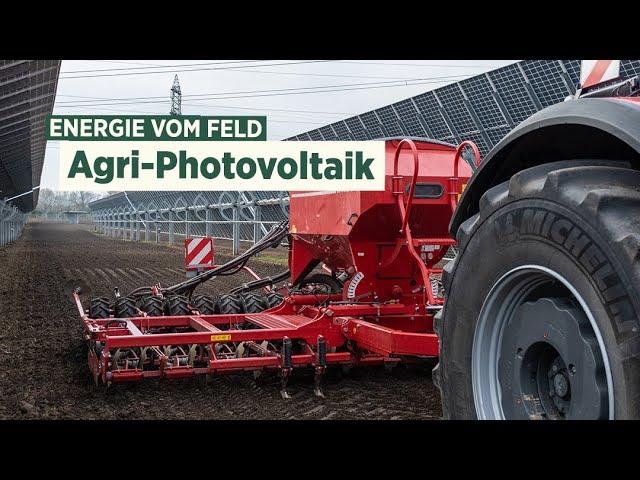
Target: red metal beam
pixel 386 341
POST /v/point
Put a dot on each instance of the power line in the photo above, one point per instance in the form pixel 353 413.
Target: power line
pixel 173 70
pixel 271 120
pixel 152 66
pixel 325 91
pixel 299 74
pixel 293 91
pixel 230 107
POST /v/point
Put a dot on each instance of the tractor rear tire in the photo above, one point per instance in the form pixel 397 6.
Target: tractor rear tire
pixel 204 304
pixel 152 306
pixel 125 307
pixel 99 308
pixel 541 319
pixel 229 304
pixel 273 299
pixel 253 303
pixel 177 305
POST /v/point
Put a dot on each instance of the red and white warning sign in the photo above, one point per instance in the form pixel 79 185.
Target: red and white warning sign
pixel 593 72
pixel 198 253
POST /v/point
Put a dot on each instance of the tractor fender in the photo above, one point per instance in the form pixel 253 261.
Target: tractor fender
pixel 589 128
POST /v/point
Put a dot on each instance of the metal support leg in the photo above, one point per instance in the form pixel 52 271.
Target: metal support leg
pixel 285 371
pixel 147 227
pixel 236 232
pixel 171 228
pixel 321 366
pixel 137 237
pixel 257 227
pixel 208 227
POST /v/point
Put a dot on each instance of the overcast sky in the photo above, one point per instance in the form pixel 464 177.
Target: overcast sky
pixel 296 96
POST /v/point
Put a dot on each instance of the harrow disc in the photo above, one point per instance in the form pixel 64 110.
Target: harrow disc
pixel 125 307
pixel 152 306
pixel 99 308
pixel 204 304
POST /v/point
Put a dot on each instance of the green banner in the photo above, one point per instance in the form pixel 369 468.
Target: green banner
pixel 156 128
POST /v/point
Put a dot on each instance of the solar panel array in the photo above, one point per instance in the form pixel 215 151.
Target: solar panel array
pixel 273 208
pixel 27 94
pixel 483 108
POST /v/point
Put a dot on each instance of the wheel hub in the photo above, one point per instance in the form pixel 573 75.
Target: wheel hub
pixel 536 356
pixel 559 386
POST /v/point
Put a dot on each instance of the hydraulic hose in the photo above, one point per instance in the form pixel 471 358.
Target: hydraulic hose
pixel 263 282
pixel 271 239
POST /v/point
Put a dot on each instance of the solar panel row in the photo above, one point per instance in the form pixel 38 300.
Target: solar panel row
pixel 483 108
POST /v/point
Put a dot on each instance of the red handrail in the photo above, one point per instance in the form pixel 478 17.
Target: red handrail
pixel 405 209
pixel 397 190
pixel 455 189
pixel 456 160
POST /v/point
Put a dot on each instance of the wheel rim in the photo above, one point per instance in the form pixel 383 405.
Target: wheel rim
pixel 538 352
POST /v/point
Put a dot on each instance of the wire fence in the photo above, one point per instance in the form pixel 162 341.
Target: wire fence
pixel 172 216
pixel 12 221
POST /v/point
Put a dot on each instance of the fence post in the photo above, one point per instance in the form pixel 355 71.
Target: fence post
pixel 236 232
pixel 137 234
pixel 208 227
pixel 147 227
pixel 187 225
pixel 257 231
pixel 172 232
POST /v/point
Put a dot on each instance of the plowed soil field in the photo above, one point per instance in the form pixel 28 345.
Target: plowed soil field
pixel 43 368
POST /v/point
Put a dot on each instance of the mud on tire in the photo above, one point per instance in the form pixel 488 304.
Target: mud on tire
pixel 125 307
pixel 177 305
pixel 99 308
pixel 229 304
pixel 273 299
pixel 152 305
pixel 580 219
pixel 204 304
pixel 253 303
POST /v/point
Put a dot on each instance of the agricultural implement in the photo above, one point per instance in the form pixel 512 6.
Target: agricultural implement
pixel 371 303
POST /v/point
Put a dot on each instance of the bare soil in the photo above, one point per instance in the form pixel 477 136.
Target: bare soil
pixel 43 370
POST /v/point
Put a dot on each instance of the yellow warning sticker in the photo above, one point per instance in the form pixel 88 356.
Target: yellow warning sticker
pixel 464 185
pixel 225 337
